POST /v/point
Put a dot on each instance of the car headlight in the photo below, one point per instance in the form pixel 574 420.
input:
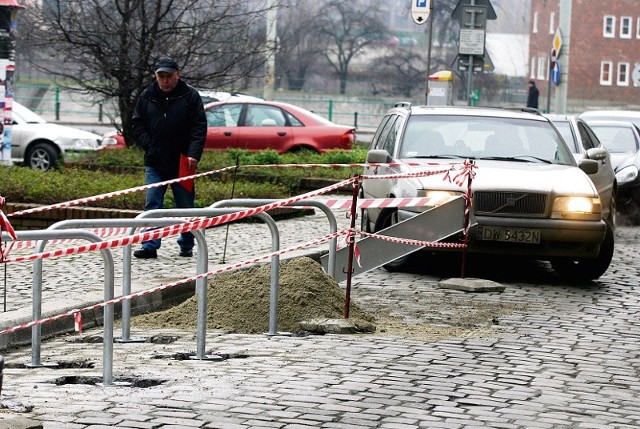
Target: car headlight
pixel 437 197
pixel 627 174
pixel 83 144
pixel 584 208
pixel 109 141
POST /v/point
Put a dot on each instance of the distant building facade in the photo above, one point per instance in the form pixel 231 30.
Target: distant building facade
pixel 604 62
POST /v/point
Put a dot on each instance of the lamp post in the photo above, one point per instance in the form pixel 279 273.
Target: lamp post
pixel 8 25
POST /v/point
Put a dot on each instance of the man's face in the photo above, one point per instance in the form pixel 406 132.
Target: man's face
pixel 167 81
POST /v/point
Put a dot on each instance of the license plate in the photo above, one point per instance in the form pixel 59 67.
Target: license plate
pixel 513 235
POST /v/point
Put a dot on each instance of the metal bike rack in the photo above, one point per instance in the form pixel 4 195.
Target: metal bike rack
pixel 333 225
pixel 36 333
pixel 135 223
pixel 201 284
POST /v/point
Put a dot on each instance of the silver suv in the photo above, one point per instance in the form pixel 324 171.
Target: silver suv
pixel 530 196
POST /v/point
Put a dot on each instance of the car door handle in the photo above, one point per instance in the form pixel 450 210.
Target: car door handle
pixel 228 133
pixel 282 133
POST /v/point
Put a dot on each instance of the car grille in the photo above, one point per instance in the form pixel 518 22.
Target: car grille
pixel 509 203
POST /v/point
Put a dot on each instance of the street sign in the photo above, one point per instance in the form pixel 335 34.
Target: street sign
pixel 471 42
pixel 420 10
pixel 474 17
pixel 457 12
pixel 555 73
pixel 557 42
pixel 463 63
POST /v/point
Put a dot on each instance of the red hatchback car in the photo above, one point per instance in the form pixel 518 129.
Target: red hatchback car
pixel 258 125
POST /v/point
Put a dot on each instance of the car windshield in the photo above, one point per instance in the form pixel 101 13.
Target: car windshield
pixel 616 139
pixel 565 130
pixel 481 137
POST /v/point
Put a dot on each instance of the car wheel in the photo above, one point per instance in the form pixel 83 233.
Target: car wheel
pixel 587 268
pixel 385 220
pixel 42 156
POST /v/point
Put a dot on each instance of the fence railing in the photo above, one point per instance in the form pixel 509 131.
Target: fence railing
pixel 56 104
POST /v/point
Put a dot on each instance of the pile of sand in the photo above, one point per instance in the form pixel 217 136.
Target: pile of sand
pixel 239 301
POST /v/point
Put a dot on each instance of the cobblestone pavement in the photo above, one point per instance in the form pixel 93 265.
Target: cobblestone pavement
pixel 567 356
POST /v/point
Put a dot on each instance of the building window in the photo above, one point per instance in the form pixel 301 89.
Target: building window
pixel 605 72
pixel 623 74
pixel 542 69
pixel 532 66
pixel 535 23
pixel 638 29
pixel 552 23
pixel 609 26
pixel 625 27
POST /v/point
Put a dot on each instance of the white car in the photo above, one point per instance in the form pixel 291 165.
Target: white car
pixel 42 145
pixel 530 196
pixel 632 116
pixel 209 96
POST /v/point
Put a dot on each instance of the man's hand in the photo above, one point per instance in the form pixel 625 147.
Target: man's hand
pixel 193 163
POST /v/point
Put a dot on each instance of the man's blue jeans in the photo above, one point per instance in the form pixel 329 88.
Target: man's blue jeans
pixel 155 200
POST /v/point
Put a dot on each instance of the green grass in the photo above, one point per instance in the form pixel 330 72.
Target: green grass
pixel 105 175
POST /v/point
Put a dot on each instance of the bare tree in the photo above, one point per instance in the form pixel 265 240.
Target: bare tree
pixel 348 27
pixel 300 46
pixel 107 48
pixel 403 71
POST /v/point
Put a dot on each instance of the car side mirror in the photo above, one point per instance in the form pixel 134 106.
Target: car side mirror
pixel 589 166
pixel 378 156
pixel 597 153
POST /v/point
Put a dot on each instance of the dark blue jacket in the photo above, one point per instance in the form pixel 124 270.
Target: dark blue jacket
pixel 167 125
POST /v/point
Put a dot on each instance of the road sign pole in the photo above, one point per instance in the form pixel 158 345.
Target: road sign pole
pixel 429 50
pixel 470 66
pixel 549 82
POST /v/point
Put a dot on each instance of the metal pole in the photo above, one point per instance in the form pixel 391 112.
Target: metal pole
pixel 470 65
pixel 565 27
pixel 549 85
pixel 351 244
pixel 467 209
pixel 429 51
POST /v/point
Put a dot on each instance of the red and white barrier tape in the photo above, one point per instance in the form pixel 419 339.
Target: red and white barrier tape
pixel 207 173
pixel 114 194
pixel 435 244
pixel 76 313
pixel 173 230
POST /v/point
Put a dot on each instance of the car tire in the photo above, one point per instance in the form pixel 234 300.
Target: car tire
pixel 585 269
pixel 42 156
pixel 386 219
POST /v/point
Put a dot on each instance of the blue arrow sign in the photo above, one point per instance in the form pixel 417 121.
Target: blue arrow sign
pixel 555 73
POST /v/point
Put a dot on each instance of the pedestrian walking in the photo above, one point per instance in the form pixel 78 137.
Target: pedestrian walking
pixel 532 98
pixel 169 123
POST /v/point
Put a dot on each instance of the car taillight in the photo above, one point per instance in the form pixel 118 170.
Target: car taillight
pixel 349 138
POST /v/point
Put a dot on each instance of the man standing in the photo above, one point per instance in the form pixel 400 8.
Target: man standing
pixel 532 98
pixel 169 123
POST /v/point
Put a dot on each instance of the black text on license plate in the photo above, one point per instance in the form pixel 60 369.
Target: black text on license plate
pixel 513 235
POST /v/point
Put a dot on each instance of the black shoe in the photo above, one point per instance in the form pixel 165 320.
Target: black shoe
pixel 186 253
pixel 145 253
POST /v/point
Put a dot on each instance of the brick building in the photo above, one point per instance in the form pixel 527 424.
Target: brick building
pixel 604 58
